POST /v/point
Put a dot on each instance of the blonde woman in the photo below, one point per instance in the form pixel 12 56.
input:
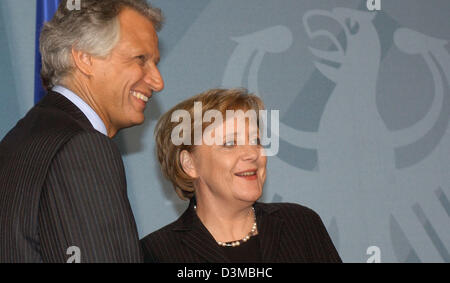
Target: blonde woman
pixel 223 181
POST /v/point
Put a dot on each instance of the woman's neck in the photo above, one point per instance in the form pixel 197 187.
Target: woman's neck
pixel 226 222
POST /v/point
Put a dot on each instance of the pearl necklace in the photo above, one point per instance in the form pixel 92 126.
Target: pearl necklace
pixel 243 240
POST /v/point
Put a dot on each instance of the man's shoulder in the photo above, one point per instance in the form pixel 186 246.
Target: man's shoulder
pixel 91 144
pixel 44 121
pixel 48 119
pixel 43 132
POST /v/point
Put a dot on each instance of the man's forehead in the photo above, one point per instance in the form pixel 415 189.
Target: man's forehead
pixel 137 34
pixel 136 24
pixel 128 14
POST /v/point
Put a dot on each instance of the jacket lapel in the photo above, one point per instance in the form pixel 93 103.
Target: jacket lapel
pixel 269 229
pixel 197 238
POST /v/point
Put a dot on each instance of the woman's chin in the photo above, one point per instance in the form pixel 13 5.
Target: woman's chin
pixel 250 195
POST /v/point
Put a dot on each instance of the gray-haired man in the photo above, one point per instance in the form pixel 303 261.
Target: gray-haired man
pixel 62 181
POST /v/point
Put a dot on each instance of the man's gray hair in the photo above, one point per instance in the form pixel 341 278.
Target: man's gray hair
pixel 94 29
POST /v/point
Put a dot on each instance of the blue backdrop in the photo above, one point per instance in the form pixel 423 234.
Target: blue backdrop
pixel 364 101
pixel 44 12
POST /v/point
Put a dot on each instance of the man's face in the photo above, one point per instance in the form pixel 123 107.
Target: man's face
pixel 122 83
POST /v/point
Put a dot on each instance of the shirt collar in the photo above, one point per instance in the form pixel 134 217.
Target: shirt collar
pixel 92 116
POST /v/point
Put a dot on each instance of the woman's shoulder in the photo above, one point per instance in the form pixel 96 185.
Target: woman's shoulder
pixel 292 213
pixel 161 233
pixel 286 207
pixel 301 219
pixel 158 244
pixel 180 224
pixel 305 229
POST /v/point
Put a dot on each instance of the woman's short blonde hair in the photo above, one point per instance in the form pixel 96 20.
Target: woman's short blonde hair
pixel 169 154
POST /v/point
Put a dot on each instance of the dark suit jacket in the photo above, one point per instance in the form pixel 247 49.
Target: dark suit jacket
pixel 288 233
pixel 62 184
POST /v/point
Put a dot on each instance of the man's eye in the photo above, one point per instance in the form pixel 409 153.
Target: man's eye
pixel 141 58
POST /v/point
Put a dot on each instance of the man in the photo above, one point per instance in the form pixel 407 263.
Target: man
pixel 62 181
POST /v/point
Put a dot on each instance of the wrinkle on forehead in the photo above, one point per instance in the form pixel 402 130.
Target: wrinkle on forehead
pixel 137 34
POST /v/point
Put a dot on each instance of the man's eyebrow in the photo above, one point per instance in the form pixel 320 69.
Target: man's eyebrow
pixel 148 56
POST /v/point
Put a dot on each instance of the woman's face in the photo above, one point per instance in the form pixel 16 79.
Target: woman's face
pixel 227 171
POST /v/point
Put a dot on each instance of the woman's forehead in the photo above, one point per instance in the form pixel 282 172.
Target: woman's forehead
pixel 236 127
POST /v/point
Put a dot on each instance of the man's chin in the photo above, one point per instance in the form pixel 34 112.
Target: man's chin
pixel 137 122
pixel 133 123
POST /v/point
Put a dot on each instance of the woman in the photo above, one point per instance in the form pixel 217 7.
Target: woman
pixel 223 180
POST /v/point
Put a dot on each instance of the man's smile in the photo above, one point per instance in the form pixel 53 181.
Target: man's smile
pixel 140 95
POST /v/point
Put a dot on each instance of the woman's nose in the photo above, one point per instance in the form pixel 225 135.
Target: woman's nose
pixel 250 152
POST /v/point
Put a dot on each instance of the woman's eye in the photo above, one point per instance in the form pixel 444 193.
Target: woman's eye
pixel 255 141
pixel 229 143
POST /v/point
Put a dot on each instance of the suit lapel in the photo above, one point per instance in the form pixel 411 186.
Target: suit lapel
pixel 197 238
pixel 204 246
pixel 269 229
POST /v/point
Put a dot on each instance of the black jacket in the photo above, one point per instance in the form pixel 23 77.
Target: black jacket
pixel 288 233
pixel 62 184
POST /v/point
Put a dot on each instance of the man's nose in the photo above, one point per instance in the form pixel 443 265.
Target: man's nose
pixel 153 78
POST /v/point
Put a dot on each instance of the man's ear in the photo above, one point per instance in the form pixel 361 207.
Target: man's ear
pixel 82 61
pixel 187 163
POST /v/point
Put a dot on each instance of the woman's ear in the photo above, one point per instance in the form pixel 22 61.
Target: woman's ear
pixel 187 163
pixel 82 61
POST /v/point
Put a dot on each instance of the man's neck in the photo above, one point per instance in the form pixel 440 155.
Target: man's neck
pixel 82 90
